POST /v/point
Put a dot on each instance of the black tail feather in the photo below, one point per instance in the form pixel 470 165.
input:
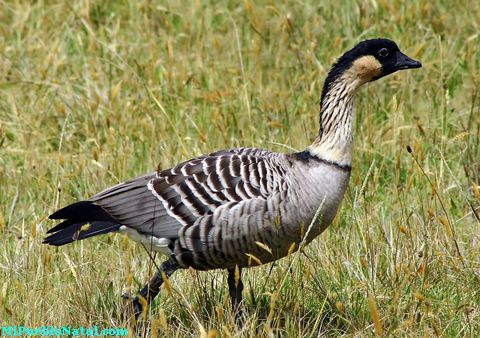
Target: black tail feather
pixel 76 215
pixel 81 210
pixel 76 233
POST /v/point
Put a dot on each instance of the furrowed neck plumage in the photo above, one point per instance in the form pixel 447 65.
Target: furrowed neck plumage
pixel 335 138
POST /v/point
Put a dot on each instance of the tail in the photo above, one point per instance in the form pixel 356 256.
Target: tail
pixel 75 217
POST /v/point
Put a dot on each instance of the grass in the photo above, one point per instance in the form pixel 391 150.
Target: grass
pixel 96 92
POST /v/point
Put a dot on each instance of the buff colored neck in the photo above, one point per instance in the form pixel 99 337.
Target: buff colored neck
pixel 334 142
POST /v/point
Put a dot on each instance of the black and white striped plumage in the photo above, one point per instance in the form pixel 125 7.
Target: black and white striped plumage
pixel 213 211
pixel 240 207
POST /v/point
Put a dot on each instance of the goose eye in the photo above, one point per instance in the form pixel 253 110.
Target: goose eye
pixel 383 52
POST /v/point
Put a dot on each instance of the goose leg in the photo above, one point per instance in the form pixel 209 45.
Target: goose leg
pixel 152 288
pixel 235 288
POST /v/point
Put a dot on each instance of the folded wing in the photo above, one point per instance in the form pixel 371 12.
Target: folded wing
pixel 160 204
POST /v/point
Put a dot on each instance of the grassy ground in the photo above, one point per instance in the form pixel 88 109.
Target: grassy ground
pixel 96 92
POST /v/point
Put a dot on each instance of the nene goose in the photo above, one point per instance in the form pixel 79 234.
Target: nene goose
pixel 238 208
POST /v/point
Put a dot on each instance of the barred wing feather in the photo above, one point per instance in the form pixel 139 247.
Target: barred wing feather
pixel 161 204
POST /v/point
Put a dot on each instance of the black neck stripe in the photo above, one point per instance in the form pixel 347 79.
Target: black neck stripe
pixel 306 156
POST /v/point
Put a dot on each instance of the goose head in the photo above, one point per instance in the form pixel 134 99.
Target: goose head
pixel 368 61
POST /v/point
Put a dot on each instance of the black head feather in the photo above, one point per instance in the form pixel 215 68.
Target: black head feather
pixel 384 50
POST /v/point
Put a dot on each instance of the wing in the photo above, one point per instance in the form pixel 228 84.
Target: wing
pixel 160 204
pixel 197 187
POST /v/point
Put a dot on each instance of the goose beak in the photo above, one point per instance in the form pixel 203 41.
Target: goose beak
pixel 405 62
